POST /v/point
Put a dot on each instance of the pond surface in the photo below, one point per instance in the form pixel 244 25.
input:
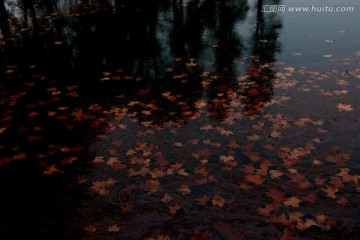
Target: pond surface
pixel 179 120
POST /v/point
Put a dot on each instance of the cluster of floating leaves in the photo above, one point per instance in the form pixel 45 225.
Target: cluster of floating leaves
pixel 166 167
pixel 228 161
pixel 225 178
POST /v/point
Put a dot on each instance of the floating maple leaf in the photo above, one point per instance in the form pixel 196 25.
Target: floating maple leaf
pixel 69 160
pixel 166 198
pixel 218 201
pixel 344 107
pixel 277 195
pixel 90 228
pixel 255 178
pixel 113 228
pixel 184 189
pixel 292 201
pixel 344 173
pixel 330 192
pixel 173 209
pixel 202 200
pixel 268 209
pixel 98 159
pixel 51 170
pixel 275 173
pixel 2 130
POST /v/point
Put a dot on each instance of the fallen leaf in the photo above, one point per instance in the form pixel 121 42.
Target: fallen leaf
pixel 344 107
pixel 113 228
pixel 256 179
pixel 342 201
pixel 288 235
pixel 184 189
pixel 202 200
pixel 218 201
pixel 292 201
pixel 178 144
pixel 2 130
pixel 330 192
pixel 173 209
pixel 51 170
pixel 69 160
pixel 166 198
pixel 90 228
pixel 275 173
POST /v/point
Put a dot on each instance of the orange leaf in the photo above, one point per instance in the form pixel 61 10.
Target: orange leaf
pixel 218 201
pixel 292 201
pixel 174 209
pixel 256 179
pixel 202 200
pixel 113 228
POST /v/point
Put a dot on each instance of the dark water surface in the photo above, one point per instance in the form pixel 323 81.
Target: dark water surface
pixel 179 120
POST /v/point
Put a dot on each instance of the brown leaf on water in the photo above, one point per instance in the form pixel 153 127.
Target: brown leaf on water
pixel 173 209
pixel 69 160
pixel 275 174
pixel 98 159
pixel 202 200
pixel 264 167
pixel 278 196
pixel 300 180
pixel 267 210
pixel 201 171
pixel 116 164
pixel 51 170
pixel 184 189
pixel 218 201
pixel 288 235
pixel 2 130
pixel 233 144
pixel 330 192
pixel 292 201
pixel 113 228
pixel 340 158
pixel 90 228
pixel 254 156
pixel 255 179
pixel 166 198
pixel 344 173
pixel 101 187
pixel 311 198
pixel 342 201
pixel 344 107
pixel 20 156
